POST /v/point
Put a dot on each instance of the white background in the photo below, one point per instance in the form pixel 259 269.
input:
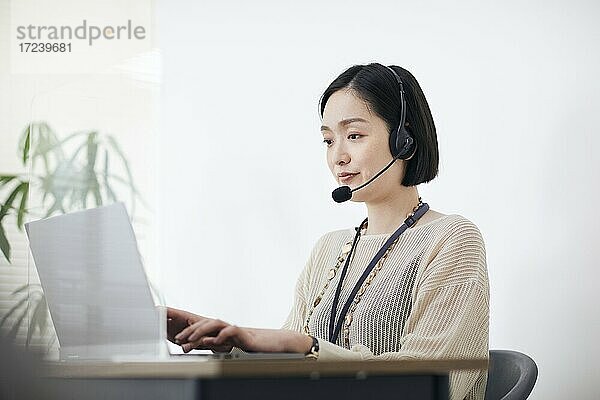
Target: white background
pixel 245 190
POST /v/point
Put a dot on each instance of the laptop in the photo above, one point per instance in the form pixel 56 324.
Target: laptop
pixel 98 293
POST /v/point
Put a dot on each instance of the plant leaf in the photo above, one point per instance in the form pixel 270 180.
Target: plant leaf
pixel 43 321
pixel 11 198
pixel 23 206
pixel 92 150
pixel 59 144
pixel 12 334
pixel 135 191
pixel 20 289
pixel 76 153
pixel 84 196
pixel 44 142
pixel 37 319
pixel 92 185
pixel 110 194
pixel 97 195
pixel 4 179
pixel 26 145
pixel 4 245
pixel 13 310
pixel 55 207
pixel 25 286
pixel 50 342
pixel 113 143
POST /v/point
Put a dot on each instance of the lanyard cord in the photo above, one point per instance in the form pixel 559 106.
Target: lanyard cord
pixel 410 221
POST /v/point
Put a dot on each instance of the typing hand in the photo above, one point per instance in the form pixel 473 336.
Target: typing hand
pixel 178 320
pixel 218 335
pixel 179 327
pixel 195 335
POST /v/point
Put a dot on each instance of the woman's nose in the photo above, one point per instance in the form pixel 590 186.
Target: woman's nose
pixel 340 155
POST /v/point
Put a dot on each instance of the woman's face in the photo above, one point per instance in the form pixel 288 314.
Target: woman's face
pixel 357 142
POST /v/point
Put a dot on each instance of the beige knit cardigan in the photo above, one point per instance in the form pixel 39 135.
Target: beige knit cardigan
pixel 429 300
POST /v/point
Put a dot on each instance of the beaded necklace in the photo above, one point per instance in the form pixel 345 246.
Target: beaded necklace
pixel 348 248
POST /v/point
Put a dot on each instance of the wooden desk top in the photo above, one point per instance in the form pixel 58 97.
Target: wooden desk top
pixel 208 368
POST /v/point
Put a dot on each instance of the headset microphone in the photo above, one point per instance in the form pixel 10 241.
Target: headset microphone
pixel 344 193
pixel 401 145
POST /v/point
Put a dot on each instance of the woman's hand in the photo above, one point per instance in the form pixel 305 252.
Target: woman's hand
pixel 217 335
pixel 178 320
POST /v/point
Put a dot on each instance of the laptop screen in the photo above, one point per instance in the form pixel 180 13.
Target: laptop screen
pixel 95 285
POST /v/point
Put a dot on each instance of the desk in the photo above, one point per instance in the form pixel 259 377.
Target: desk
pixel 255 379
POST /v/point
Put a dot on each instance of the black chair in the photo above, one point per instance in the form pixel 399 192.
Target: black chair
pixel 511 375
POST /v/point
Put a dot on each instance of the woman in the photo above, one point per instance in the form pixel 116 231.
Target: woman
pixel 425 290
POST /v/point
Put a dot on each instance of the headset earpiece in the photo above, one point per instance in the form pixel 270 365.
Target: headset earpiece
pixel 401 144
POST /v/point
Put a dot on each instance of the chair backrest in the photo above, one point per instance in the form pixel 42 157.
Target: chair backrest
pixel 511 375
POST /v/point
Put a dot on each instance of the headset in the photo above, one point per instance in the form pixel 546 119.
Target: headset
pixel 401 142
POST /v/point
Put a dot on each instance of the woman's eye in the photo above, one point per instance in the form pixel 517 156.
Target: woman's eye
pixel 327 141
pixel 354 134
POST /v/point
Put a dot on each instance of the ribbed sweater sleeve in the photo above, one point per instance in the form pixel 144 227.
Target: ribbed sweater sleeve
pixel 449 316
pixel 295 321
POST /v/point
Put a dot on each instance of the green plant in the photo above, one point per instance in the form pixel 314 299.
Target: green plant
pixel 69 174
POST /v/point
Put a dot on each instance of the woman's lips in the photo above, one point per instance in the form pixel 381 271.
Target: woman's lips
pixel 347 178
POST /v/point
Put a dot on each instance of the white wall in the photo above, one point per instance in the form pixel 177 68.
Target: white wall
pixel 245 191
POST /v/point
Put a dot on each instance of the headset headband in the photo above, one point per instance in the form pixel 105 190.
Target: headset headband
pixel 402 101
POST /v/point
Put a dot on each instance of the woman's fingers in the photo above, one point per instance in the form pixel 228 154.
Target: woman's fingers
pixel 212 326
pixel 197 345
pixel 173 313
pixel 177 320
pixel 174 327
pixel 182 336
pixel 208 343
pixel 192 331
pixel 182 316
pixel 198 340
pixel 200 329
pixel 231 334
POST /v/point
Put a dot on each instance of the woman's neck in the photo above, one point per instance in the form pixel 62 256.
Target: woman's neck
pixel 387 214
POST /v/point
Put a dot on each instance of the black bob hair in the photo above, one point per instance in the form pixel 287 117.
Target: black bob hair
pixel 377 86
